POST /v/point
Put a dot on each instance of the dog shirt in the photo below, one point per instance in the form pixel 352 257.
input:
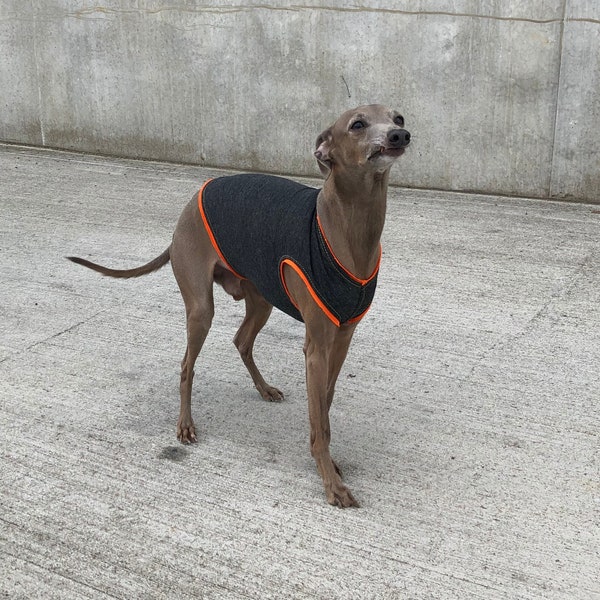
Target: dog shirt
pixel 259 223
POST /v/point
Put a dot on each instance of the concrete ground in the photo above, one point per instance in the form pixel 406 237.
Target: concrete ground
pixel 466 421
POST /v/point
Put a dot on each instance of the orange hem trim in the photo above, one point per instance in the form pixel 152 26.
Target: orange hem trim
pixel 362 314
pixel 211 235
pixel 300 273
pixel 363 282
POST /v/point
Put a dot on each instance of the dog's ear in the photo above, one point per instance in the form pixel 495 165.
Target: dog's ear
pixel 322 151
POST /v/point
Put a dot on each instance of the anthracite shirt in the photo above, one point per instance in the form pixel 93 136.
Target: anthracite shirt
pixel 258 223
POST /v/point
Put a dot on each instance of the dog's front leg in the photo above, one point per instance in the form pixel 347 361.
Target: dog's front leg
pixel 321 363
pixel 325 348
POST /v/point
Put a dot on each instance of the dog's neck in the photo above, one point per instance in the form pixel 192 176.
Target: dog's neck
pixel 351 209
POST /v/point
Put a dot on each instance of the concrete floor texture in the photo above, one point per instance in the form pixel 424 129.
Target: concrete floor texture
pixel 466 418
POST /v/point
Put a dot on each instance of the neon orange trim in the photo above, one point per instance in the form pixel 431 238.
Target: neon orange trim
pixel 349 273
pixel 211 235
pixel 362 314
pixel 300 273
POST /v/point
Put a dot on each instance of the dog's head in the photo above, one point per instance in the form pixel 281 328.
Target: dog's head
pixel 367 137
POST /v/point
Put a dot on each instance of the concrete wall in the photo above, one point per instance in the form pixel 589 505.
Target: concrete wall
pixel 501 96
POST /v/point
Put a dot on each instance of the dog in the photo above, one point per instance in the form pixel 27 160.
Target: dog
pixel 313 253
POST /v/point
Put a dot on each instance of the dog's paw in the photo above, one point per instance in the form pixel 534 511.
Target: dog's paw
pixel 339 495
pixel 270 393
pixel 186 434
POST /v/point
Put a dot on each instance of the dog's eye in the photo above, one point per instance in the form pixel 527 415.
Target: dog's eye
pixel 399 120
pixel 358 125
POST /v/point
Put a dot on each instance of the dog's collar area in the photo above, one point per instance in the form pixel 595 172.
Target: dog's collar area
pixel 339 264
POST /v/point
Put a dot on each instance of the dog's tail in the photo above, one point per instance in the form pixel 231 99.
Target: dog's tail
pixel 153 265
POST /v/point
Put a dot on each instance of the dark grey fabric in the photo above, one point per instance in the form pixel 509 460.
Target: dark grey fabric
pixel 259 220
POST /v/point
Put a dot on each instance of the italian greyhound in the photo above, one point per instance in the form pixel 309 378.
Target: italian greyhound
pixel 345 218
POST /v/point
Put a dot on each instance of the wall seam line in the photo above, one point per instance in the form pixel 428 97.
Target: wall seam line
pixel 556 110
pixel 37 78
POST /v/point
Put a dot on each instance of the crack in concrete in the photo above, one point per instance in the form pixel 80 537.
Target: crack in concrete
pixel 557 293
pixel 20 351
pixel 57 334
pixel 90 12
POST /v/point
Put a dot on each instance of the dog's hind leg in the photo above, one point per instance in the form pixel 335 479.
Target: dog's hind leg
pixel 258 311
pixel 193 261
pixel 199 319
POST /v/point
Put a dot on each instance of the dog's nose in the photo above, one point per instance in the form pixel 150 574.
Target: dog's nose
pixel 398 138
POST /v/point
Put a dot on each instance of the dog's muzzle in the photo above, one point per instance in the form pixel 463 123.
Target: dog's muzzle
pixel 395 143
pixel 398 138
